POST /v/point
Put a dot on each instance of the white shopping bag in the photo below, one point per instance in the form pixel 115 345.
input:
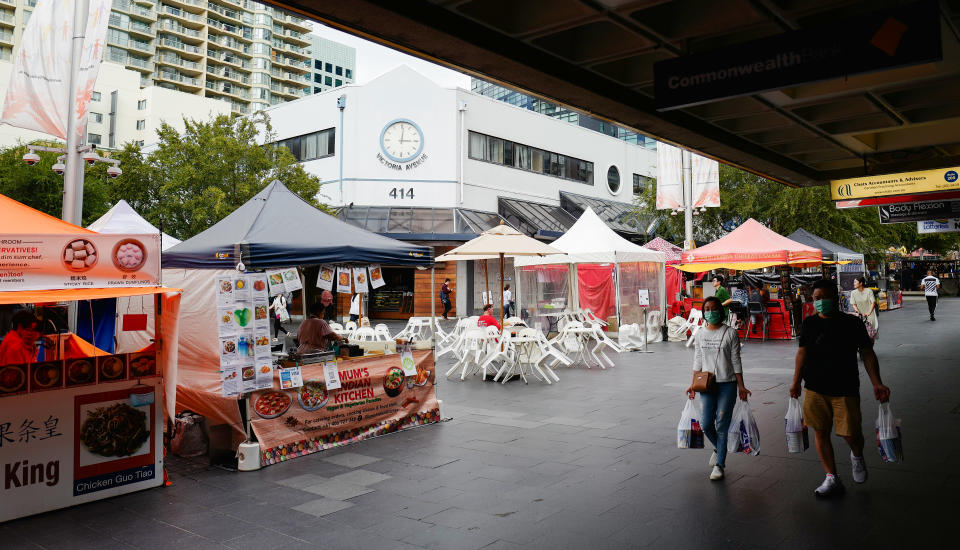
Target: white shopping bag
pixel 798 439
pixel 689 434
pixel 889 441
pixel 749 432
pixel 734 439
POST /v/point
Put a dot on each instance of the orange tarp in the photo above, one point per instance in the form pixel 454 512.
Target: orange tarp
pixel 68 294
pixel 19 218
pixel 750 246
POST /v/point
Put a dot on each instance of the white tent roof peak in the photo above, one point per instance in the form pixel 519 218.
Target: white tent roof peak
pixel 590 240
pixel 122 218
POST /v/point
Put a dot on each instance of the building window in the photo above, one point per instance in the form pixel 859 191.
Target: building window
pixel 317 77
pixel 328 81
pixel 317 90
pixel 138 143
pixel 96 117
pixel 328 67
pixel 142 104
pixel 141 124
pixel 349 73
pixel 339 70
pixel 317 64
pixel 311 146
pixel 95 96
pixel 94 139
pixel 641 184
pixel 524 157
pixel 338 82
pixel 613 180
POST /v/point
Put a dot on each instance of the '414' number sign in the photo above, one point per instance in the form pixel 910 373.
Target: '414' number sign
pixel 401 193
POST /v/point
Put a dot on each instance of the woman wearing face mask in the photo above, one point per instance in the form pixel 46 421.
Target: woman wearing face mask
pixel 865 304
pixel 718 351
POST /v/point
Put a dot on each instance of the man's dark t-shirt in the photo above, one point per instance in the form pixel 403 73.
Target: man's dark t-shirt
pixel 832 344
pixel 330 312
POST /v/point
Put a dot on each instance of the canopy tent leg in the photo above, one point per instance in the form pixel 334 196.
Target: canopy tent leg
pixel 486 284
pixel 501 289
pixel 616 286
pixel 433 310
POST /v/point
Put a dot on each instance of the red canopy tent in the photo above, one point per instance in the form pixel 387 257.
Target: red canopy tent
pixel 750 246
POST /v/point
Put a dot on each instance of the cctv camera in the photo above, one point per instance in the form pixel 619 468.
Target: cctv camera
pixel 59 168
pixel 90 158
pixel 31 158
pixel 114 171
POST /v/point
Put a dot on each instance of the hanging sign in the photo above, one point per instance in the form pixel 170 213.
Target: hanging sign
pixel 643 296
pixel 325 277
pixel 343 280
pixel 376 276
pixel 918 211
pixel 903 183
pixel 243 330
pixel 951 225
pixel 360 280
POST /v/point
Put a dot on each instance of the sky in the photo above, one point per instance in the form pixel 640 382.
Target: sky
pixel 373 60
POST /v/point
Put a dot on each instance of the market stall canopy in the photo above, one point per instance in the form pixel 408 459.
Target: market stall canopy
pixel 277 228
pixel 591 241
pixel 670 251
pixel 831 251
pixel 750 246
pixel 68 294
pixel 122 218
pixel 501 239
pixel 19 218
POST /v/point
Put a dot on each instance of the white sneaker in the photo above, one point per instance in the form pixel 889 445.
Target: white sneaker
pixel 713 459
pixel 831 486
pixel 716 474
pixel 859 468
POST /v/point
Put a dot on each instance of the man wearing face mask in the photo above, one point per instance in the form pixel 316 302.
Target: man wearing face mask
pixel 827 363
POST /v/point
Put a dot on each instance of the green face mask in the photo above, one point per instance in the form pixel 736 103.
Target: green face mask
pixel 713 317
pixel 824 306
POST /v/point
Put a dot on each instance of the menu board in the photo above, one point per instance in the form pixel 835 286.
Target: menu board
pixel 243 329
pixel 84 260
pixel 283 280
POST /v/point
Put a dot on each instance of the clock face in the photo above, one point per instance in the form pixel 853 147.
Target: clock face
pixel 401 140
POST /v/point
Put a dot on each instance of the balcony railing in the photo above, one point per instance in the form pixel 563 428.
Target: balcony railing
pixel 177 12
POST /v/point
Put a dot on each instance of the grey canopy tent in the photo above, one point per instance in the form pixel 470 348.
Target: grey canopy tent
pixel 277 228
pixel 832 252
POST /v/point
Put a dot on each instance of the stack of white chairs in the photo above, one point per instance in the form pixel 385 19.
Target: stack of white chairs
pixel 474 345
pixel 383 332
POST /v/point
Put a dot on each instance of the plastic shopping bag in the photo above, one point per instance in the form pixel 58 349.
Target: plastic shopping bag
pixel 749 431
pixel 689 434
pixel 798 438
pixel 734 432
pixel 889 440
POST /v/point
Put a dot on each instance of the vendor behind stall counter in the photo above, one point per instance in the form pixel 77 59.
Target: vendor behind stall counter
pixel 20 344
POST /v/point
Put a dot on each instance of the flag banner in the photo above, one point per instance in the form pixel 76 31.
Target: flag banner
pixel 669 177
pixel 38 90
pixel 705 174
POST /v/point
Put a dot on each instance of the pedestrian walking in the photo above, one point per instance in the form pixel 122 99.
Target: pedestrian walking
pixel 931 284
pixel 507 302
pixel 865 304
pixel 827 363
pixel 718 351
pixel 355 307
pixel 280 315
pixel 445 292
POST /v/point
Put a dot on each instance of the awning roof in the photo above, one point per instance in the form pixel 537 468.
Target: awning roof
pixel 750 246
pixel 831 250
pixel 68 294
pixel 277 228
pixel 122 218
pixel 420 224
pixel 619 216
pixel 536 219
pixel 20 218
pixel 670 250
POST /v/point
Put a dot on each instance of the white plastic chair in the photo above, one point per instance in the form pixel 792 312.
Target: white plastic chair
pixel 383 332
pixel 365 334
pixel 695 321
pixel 335 326
pixel 351 326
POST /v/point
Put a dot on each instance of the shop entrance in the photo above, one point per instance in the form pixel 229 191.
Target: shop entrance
pixel 394 300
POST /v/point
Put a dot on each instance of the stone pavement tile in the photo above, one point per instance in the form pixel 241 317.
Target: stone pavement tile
pixel 396 527
pixel 511 422
pixel 441 494
pixel 503 545
pixel 213 526
pixel 460 518
pixel 419 509
pixel 322 506
pixel 445 538
pixel 261 540
pixel 554 468
pixel 302 480
pixel 561 540
pixel 362 477
pixel 406 487
pixel 566 421
pixel 337 489
pixel 350 459
pixel 149 535
pixel 334 537
pixel 202 543
pixel 350 519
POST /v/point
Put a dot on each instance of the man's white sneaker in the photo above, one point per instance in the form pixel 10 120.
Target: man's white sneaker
pixel 713 459
pixel 859 468
pixel 831 486
pixel 716 474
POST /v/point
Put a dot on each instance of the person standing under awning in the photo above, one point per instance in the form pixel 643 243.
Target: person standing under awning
pixel 20 344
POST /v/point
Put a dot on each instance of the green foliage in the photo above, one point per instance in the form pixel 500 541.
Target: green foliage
pixel 784 209
pixel 192 180
pixel 40 187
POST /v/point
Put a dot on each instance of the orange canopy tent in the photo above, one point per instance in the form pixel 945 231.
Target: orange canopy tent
pixel 750 246
pixel 20 218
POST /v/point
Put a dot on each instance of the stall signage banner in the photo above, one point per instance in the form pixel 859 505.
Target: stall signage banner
pixel 950 225
pixel 375 398
pixel 84 260
pixel 903 36
pixel 57 452
pixel 243 329
pixel 903 183
pixel 918 211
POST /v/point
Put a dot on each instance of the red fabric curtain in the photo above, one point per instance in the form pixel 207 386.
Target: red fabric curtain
pixel 674 283
pixel 597 291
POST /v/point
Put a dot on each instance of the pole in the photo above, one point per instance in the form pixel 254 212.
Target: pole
pixel 687 201
pixel 341 104
pixel 433 309
pixel 486 283
pixel 501 289
pixel 73 175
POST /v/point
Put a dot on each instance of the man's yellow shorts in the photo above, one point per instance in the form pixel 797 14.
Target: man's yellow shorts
pixel 844 412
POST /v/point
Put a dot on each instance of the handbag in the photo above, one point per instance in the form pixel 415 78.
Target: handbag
pixel 704 381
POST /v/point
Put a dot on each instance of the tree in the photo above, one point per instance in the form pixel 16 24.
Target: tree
pixel 40 187
pixel 785 209
pixel 192 180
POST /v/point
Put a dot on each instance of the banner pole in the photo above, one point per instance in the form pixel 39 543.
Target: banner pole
pixel 73 176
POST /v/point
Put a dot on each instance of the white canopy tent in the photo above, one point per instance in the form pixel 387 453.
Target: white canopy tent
pixel 591 241
pixel 122 218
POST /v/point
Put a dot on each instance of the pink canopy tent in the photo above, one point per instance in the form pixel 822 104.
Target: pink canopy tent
pixel 750 246
pixel 673 278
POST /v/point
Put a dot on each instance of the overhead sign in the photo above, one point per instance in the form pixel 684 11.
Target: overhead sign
pixel 904 36
pixel 903 183
pixel 899 199
pixel 918 211
pixel 951 225
pixel 84 260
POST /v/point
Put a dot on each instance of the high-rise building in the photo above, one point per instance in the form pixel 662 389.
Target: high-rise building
pixel 246 53
pixel 334 64
pixel 559 112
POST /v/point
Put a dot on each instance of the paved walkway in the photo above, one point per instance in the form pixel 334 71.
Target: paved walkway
pixel 590 462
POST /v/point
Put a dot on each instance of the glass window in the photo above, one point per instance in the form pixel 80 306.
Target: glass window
pixel 328 81
pixel 338 70
pixel 523 157
pixel 613 179
pixel 328 67
pixel 317 77
pixel 94 139
pixel 95 96
pixel 478 146
pixel 141 124
pixel 400 220
pixel 641 184
pixel 537 163
pixel 96 117
pixel 317 64
pixel 338 82
pixel 317 90
pixel 508 154
pixel 308 146
pixel 138 143
pixel 142 104
pixel 348 73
